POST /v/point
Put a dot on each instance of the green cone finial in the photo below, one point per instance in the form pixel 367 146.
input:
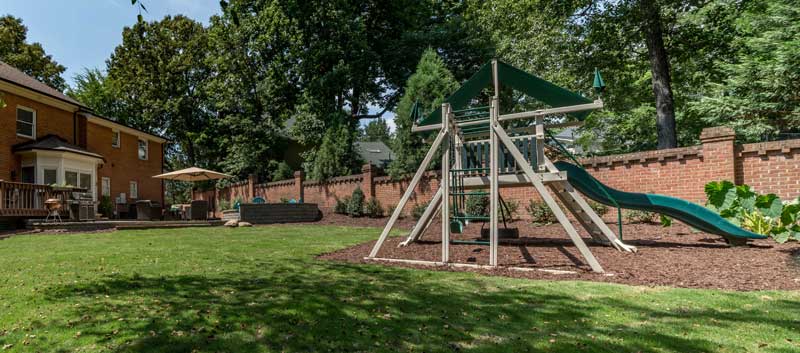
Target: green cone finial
pixel 599 85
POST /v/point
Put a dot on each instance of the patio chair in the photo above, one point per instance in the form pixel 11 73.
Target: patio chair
pixel 147 210
pixel 198 210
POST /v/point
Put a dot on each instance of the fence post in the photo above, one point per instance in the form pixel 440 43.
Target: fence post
pixel 299 176
pixel 719 153
pixel 367 185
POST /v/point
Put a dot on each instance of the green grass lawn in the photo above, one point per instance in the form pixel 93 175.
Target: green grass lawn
pixel 261 289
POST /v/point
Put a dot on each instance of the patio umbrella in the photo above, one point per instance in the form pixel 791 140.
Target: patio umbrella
pixel 193 174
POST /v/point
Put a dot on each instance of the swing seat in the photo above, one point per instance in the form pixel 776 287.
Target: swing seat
pixel 456 226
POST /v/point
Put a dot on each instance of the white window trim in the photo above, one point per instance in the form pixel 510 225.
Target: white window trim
pixel 119 138
pixel 130 189
pixel 105 181
pixel 146 149
pixel 16 120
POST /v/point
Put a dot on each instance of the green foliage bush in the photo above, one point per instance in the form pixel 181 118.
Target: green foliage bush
pixel 355 208
pixel 341 205
pixel 373 208
pixel 512 207
pixel 223 205
pixel 418 210
pixel 637 216
pixel 105 207
pixel 540 213
pixel 598 208
pixel 477 205
pixel 762 214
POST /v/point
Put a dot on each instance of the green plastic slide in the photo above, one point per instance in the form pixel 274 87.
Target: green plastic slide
pixel 687 212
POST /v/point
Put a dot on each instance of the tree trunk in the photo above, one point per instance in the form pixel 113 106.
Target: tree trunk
pixel 659 66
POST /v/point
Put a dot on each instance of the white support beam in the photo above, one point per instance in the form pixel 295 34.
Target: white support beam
pixel 426 218
pixel 445 185
pixel 410 190
pixel 494 168
pixel 548 199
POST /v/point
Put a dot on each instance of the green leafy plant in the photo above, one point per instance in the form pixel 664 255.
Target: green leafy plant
pixel 106 207
pixel 512 207
pixel 762 214
pixel 418 210
pixel 224 205
pixel 598 208
pixel 341 205
pixel 477 205
pixel 637 216
pixel 355 208
pixel 540 213
pixel 373 208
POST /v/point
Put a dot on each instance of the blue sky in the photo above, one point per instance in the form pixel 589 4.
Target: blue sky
pixel 83 33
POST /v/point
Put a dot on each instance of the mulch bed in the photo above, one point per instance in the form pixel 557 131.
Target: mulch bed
pixel 673 256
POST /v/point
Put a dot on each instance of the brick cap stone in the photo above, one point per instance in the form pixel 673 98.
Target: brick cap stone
pixel 299 174
pixel 716 134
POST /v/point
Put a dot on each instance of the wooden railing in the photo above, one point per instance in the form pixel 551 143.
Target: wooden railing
pixel 475 155
pixel 27 200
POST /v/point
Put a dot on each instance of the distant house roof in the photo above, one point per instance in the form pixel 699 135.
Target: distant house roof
pixel 16 77
pixel 13 75
pixel 376 153
pixel 53 143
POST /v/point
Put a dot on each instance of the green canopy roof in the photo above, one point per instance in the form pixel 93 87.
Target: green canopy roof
pixel 517 79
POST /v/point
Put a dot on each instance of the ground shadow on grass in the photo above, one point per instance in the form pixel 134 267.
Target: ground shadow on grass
pixel 314 306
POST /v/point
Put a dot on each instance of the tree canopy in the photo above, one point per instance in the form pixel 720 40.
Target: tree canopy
pixel 29 58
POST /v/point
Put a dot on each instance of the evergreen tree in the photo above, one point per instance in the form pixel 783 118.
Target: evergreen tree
pixel 377 130
pixel 428 86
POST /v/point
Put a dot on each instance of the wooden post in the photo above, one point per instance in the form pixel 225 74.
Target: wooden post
pixel 548 199
pixel 494 190
pixel 407 195
pixel 425 219
pixel 445 184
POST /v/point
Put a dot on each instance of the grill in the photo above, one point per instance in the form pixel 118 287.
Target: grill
pixel 81 206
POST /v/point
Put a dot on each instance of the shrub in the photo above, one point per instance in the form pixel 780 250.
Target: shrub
pixel 512 207
pixel 762 214
pixel 540 213
pixel 637 216
pixel 598 208
pixel 106 207
pixel 390 211
pixel 418 210
pixel 373 208
pixel 477 205
pixel 355 208
pixel 341 205
pixel 224 205
pixel 284 200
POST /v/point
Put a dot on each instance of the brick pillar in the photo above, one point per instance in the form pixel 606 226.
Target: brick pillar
pixel 251 187
pixel 719 153
pixel 367 185
pixel 299 176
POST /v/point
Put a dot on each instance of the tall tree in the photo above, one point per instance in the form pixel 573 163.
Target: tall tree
pixel 157 74
pixel 659 68
pixel 377 130
pixel 428 87
pixel 29 58
pixel 92 88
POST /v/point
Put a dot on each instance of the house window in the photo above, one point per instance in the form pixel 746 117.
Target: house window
pixel 26 122
pixel 105 186
pixel 28 175
pixel 134 190
pixel 143 149
pixel 71 178
pixel 115 138
pixel 50 176
pixel 85 181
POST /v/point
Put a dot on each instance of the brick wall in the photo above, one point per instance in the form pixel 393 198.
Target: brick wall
pixel 123 164
pixel 771 167
pixel 49 121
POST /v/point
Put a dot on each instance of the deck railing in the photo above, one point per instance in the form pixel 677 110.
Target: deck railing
pixel 27 200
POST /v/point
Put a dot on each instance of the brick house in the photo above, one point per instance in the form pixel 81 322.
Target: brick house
pixel 47 138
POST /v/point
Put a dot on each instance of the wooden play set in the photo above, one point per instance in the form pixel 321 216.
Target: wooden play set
pixel 482 147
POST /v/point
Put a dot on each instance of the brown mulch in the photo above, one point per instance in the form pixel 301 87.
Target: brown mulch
pixel 673 256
